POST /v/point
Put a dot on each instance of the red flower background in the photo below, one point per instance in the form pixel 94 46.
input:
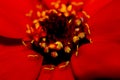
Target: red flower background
pixel 101 59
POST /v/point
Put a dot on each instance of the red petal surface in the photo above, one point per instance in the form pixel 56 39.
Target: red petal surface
pixel 12 17
pixel 45 74
pixel 92 6
pixel 15 65
pixel 101 58
pixel 63 74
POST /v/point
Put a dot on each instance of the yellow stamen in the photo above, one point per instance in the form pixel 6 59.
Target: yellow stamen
pixel 73 12
pixel 51 67
pixel 88 28
pixel 52 46
pixel 35 21
pixel 38 13
pixel 28 29
pixel 24 43
pixel 78 22
pixel 63 66
pixel 43 13
pixel 37 25
pixel 88 16
pixel 66 14
pixel 77 51
pixel 63 8
pixel 77 3
pixel 39 6
pixel 31 55
pixel 32 41
pixel 46 49
pixel 54 54
pixel 29 14
pixel 70 21
pixel 43 44
pixel 75 39
pixel 69 8
pixel 67 49
pixel 81 35
pixel 59 45
pixel 44 39
pixel 77 29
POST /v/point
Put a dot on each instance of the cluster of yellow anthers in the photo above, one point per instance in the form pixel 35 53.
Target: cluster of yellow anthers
pixel 35 31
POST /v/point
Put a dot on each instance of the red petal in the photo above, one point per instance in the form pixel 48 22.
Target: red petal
pixel 106 22
pixel 101 58
pixel 92 6
pixel 16 65
pixel 63 73
pixel 97 60
pixel 45 74
pixel 13 19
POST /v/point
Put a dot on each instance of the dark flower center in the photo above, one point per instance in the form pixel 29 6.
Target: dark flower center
pixel 57 35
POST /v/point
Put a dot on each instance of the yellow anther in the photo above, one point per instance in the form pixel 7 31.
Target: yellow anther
pixel 52 46
pixel 43 44
pixel 43 13
pixel 54 54
pixel 37 25
pixel 39 6
pixel 59 45
pixel 81 35
pixel 24 43
pixel 67 49
pixel 54 11
pixel 32 42
pixel 48 68
pixel 28 29
pixel 69 8
pixel 90 40
pixel 77 51
pixel 70 21
pixel 56 4
pixel 63 8
pixel 29 14
pixel 41 19
pixel 77 29
pixel 69 43
pixel 31 55
pixel 46 49
pixel 75 39
pixel 64 65
pixel 77 3
pixel 88 28
pixel 38 13
pixel 78 22
pixel 59 14
pixel 88 16
pixel 66 14
pixel 44 39
pixel 35 21
pixel 73 12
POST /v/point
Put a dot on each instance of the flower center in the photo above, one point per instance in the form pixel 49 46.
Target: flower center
pixel 57 34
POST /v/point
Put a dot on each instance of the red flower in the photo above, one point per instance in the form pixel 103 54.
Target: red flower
pixel 97 60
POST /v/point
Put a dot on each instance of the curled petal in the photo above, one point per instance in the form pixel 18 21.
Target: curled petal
pixel 17 65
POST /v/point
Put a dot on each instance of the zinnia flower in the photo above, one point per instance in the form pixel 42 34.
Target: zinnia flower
pixel 57 42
